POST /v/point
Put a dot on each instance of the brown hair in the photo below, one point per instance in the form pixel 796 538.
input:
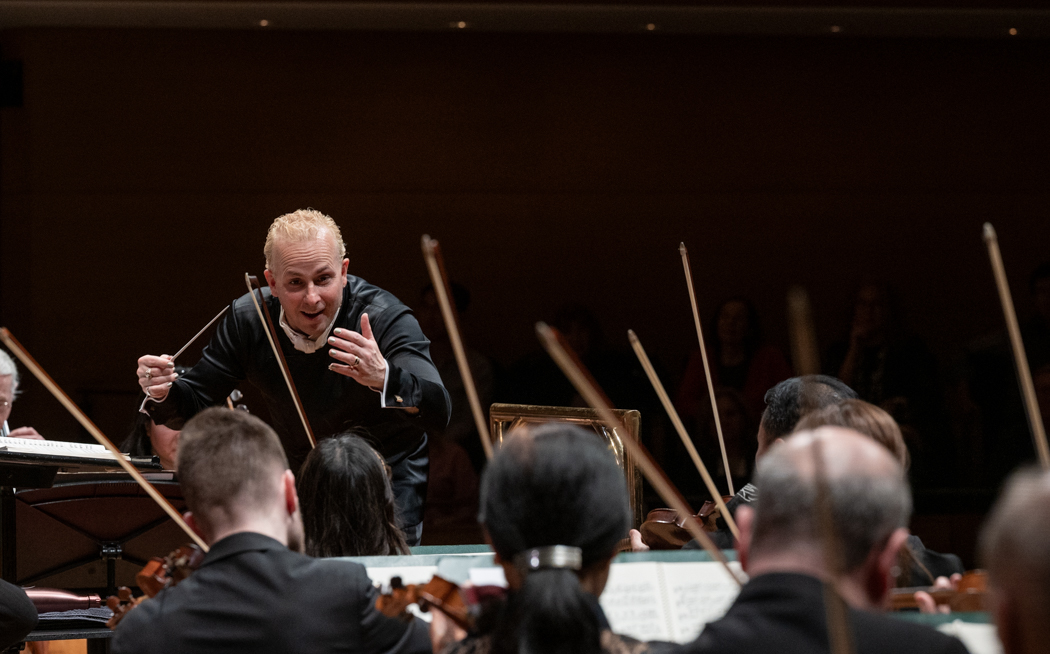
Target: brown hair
pixel 226 460
pixel 862 417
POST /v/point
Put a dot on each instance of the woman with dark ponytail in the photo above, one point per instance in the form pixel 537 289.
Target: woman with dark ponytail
pixel 554 507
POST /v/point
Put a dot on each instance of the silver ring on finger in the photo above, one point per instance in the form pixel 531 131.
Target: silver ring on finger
pixel 149 374
pixel 357 360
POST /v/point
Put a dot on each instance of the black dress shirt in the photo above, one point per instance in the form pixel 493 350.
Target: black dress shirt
pixel 784 613
pixel 254 595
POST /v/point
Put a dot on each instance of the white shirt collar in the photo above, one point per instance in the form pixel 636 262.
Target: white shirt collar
pixel 305 343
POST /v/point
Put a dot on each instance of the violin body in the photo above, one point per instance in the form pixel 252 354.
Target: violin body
pixel 158 574
pixel 664 529
pixel 969 595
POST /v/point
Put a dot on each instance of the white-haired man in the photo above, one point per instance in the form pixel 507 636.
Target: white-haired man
pixel 1015 549
pixel 356 354
pixel 8 392
pixel 781 609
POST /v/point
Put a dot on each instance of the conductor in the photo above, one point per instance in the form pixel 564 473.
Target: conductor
pixel 356 354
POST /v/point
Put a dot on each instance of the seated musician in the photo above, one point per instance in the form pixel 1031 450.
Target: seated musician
pixel 8 393
pixel 781 609
pixel 355 352
pixel 786 403
pixel 1015 550
pixel 554 507
pixel 923 566
pixel 347 501
pixel 254 591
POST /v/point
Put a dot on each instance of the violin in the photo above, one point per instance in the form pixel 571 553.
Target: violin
pixel 663 528
pixel 460 605
pixel 969 595
pixel 158 574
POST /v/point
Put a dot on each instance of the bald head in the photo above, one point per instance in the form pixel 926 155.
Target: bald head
pixel 1015 549
pixel 867 490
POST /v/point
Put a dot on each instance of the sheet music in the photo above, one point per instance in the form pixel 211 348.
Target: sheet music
pixel 55 448
pixel 699 593
pixel 635 603
pixel 666 601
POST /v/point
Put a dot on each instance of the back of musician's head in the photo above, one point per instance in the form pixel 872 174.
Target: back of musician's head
pixel 229 465
pixel 8 367
pixel 347 501
pixel 553 485
pixel 301 225
pixel 864 418
pixel 1014 547
pixel 867 491
pixel 793 398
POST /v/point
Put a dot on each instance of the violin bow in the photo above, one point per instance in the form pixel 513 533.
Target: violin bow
pixel 658 386
pixel 271 335
pixel 12 344
pixel 707 366
pixel 439 280
pixel 840 635
pixel 570 364
pixel 802 332
pixel 1024 375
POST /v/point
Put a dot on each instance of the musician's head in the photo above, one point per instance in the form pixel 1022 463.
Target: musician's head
pixel 864 418
pixel 235 477
pixel 306 268
pixel 554 485
pixel 347 500
pixel 870 505
pixel 8 384
pixel 793 398
pixel 1015 549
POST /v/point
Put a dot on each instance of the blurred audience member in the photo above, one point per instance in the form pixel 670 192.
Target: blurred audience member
pixel 739 360
pixel 347 501
pixel 8 392
pixel 461 429
pixel 739 425
pixel 892 369
pixel 1015 549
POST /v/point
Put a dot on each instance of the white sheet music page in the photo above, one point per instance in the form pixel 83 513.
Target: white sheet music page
pixel 634 601
pixel 699 593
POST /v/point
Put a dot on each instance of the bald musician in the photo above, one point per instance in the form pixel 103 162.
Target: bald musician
pixel 1015 549
pixel 781 609
pixel 356 353
pixel 255 592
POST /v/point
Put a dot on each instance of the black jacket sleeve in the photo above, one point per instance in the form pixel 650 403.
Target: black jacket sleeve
pixel 17 615
pixel 412 380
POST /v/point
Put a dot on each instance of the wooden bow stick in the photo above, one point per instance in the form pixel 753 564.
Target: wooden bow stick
pixel 271 335
pixel 60 395
pixel 840 635
pixel 658 386
pixel 803 335
pixel 569 363
pixel 439 280
pixel 1024 375
pixel 707 367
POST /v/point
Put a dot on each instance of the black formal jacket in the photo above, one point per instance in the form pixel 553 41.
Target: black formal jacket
pixel 784 613
pixel 254 595
pixel 17 614
pixel 239 350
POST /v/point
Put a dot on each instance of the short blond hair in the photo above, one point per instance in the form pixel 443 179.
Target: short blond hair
pixel 298 226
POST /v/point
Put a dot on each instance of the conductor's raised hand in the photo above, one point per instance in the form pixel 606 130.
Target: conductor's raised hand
pixel 358 355
pixel 156 375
